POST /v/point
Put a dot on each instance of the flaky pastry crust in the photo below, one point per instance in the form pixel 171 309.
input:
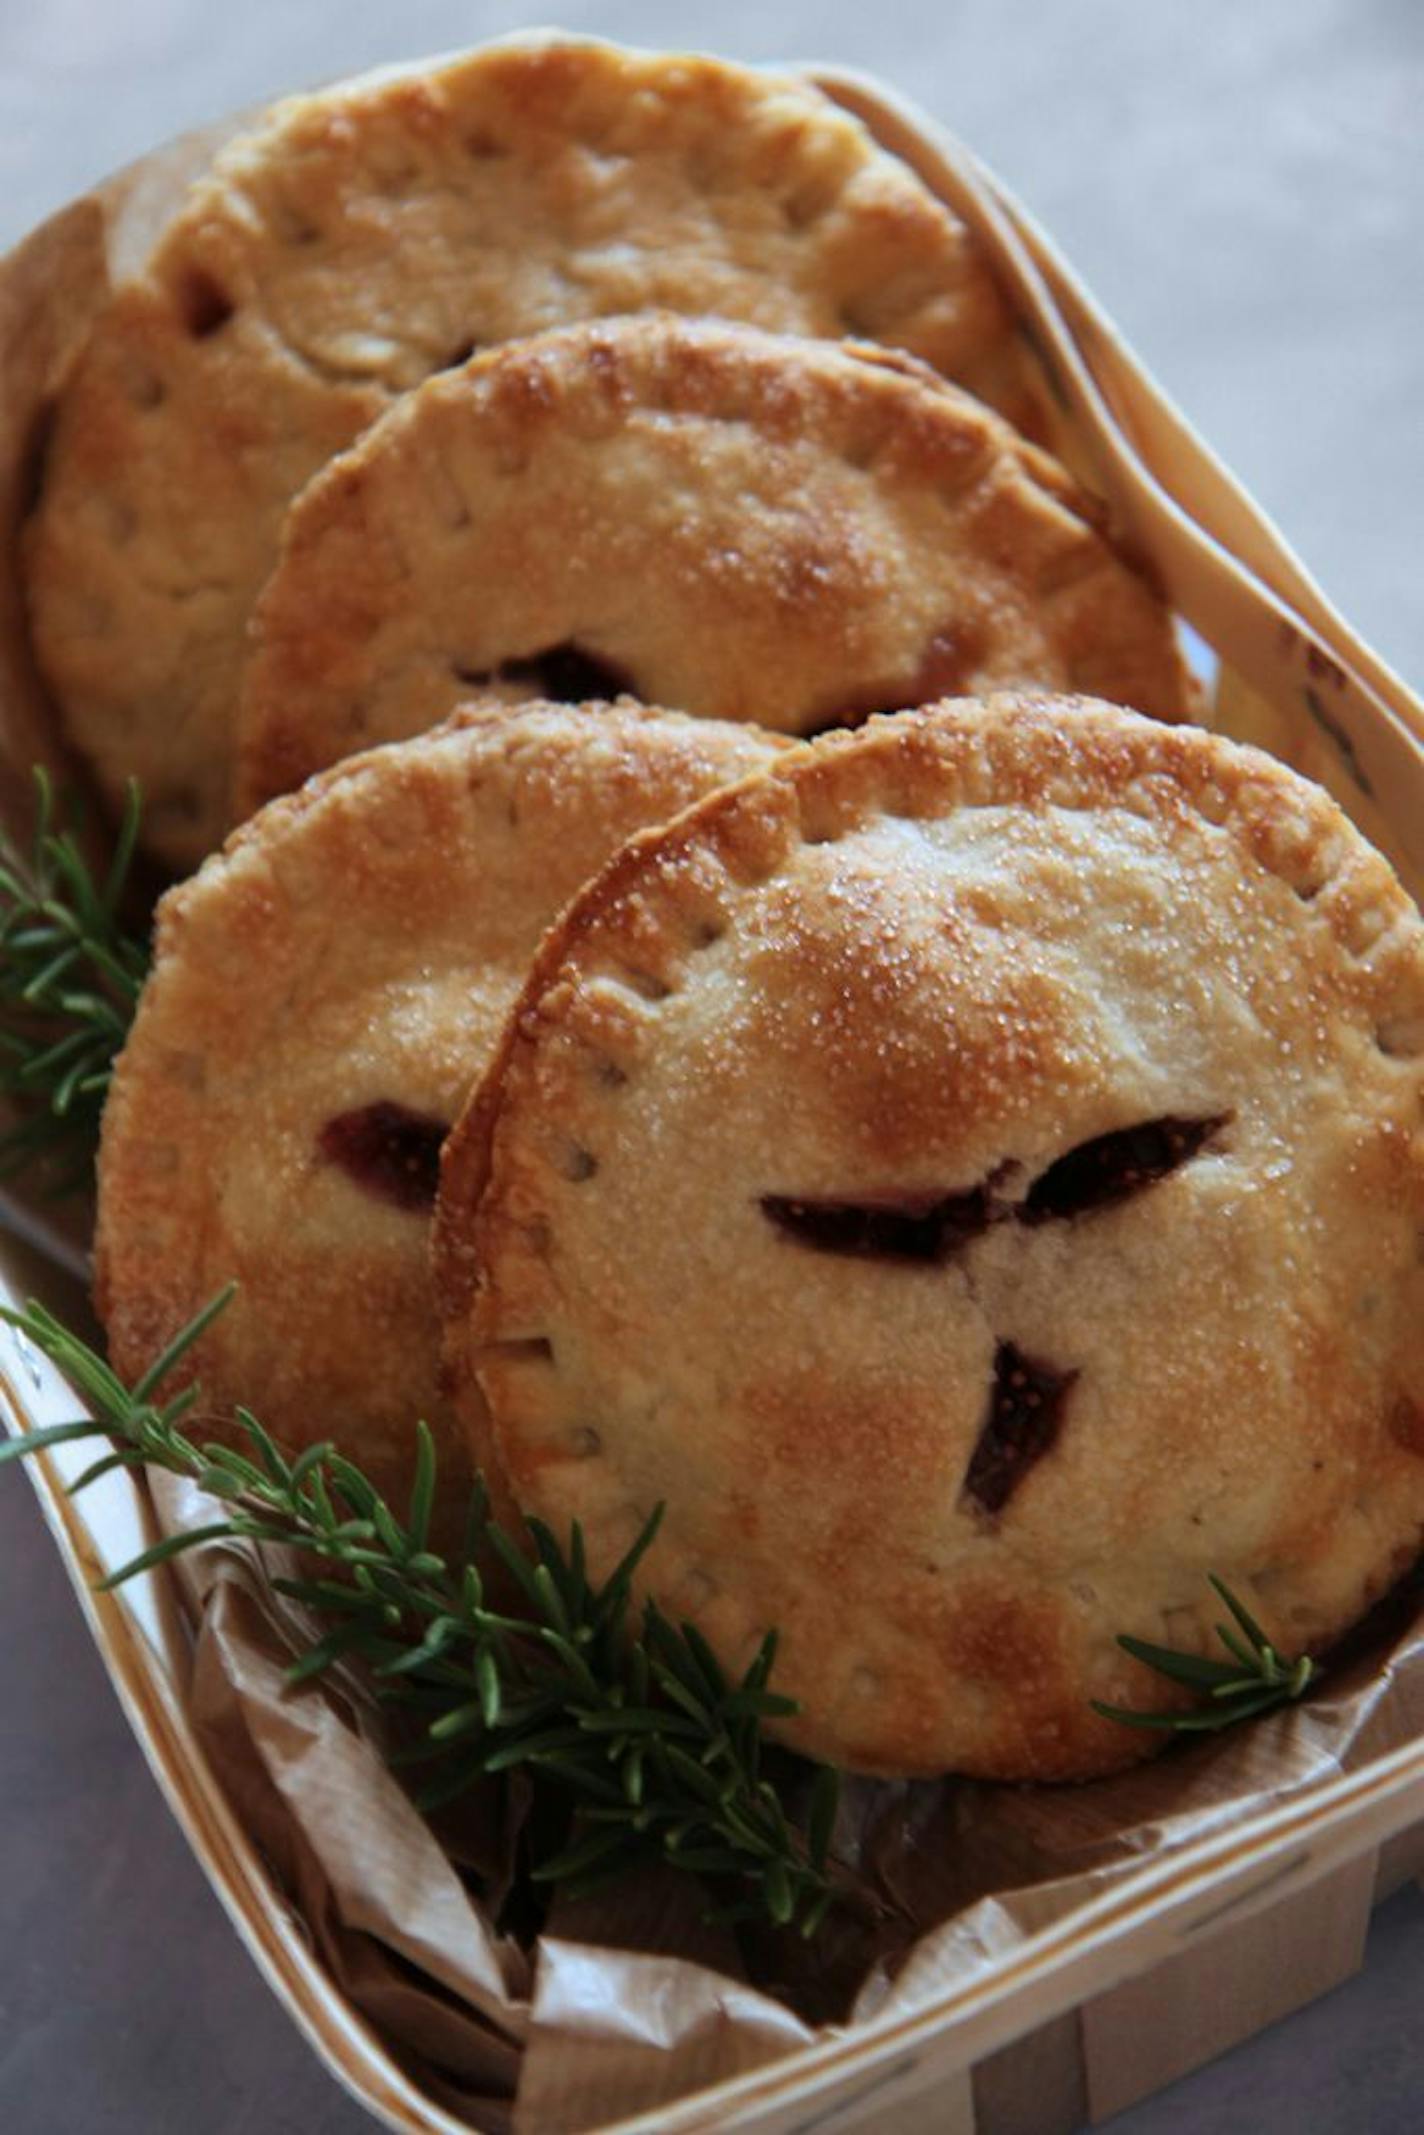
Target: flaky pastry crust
pixel 370 235
pixel 323 994
pixel 973 1175
pixel 741 524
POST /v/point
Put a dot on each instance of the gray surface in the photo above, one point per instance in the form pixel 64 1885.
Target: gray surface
pixel 1243 186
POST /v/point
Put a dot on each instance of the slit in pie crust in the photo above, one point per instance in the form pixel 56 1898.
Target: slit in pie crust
pixel 1153 987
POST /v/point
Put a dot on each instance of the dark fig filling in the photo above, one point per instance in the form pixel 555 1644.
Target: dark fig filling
pixel 911 1227
pixel 948 663
pixel 1027 1399
pixel 1113 1167
pixel 390 1152
pixel 927 1227
pixel 205 304
pixel 1026 1405
pixel 564 674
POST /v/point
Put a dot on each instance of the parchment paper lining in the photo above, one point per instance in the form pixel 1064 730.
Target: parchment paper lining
pixel 633 2000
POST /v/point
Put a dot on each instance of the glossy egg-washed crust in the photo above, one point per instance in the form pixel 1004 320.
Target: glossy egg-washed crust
pixel 355 945
pixel 370 235
pixel 945 950
pixel 741 524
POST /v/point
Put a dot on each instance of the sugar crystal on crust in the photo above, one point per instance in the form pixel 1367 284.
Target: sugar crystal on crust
pixel 970 951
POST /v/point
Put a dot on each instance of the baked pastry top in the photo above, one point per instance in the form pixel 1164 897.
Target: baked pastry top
pixel 323 994
pixel 370 235
pixel 737 523
pixel 973 1175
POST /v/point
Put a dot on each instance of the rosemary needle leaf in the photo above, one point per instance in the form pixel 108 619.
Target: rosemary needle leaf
pixel 516 1563
pixel 1196 1671
pixel 99 1468
pixel 779 1902
pixel 613 1596
pixel 758 1705
pixel 713 1679
pixel 583 1779
pixel 344 1639
pixel 760 1669
pixel 422 1495
pixel 70 977
pixel 1206 1720
pixel 388 1529
pixel 1241 1686
pixel 161 1552
pixel 529 1748
pixel 350 1484
pixel 634 1729
pixel 226 1470
pixel 56 1434
pixel 641 1720
pixel 411 1659
pixel 1168 1722
pixel 572 1659
pixel 124 845
pixel 1255 1680
pixel 672 1688
pixel 460 1720
pixel 669 1653
pixel 695 1777
pixel 1233 1644
pixel 1254 1634
pixel 491 1692
pixel 303 1465
pixel 181 1343
pixel 551 1603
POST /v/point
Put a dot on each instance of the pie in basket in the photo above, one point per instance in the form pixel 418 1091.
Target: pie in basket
pixel 741 524
pixel 323 994
pixel 972 1176
pixel 363 238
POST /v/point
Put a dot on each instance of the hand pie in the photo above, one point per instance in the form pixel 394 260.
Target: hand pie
pixel 971 1174
pixel 323 994
pixel 736 523
pixel 368 236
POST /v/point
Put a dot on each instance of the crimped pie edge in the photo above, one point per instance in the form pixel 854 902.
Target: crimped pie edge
pixel 1011 745
pixel 855 403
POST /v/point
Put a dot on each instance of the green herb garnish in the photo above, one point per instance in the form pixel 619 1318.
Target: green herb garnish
pixel 1255 1679
pixel 632 1725
pixel 650 1749
pixel 70 976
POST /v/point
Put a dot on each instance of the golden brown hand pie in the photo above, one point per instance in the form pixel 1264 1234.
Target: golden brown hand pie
pixel 973 1175
pixel 736 523
pixel 368 236
pixel 323 994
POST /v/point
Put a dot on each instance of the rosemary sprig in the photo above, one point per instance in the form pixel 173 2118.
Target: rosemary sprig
pixel 1255 1679
pixel 636 1729
pixel 70 976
